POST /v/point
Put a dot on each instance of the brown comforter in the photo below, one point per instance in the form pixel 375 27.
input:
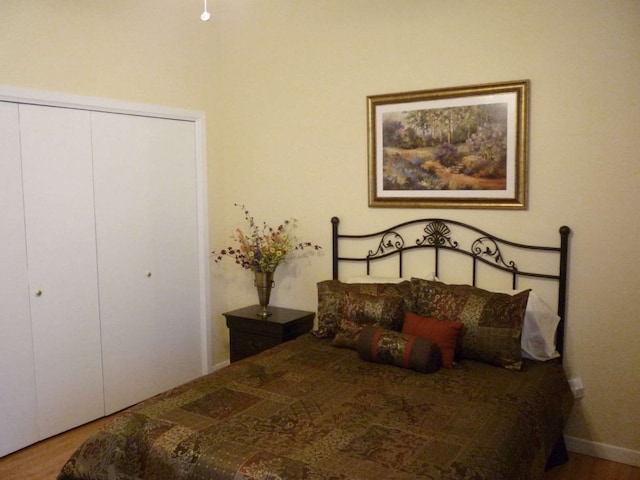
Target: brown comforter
pixel 308 410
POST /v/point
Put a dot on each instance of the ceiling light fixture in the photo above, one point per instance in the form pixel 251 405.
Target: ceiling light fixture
pixel 205 15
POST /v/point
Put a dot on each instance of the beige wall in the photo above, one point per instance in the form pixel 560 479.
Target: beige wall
pixel 284 86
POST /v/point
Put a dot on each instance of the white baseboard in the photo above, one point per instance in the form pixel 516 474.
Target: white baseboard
pixel 220 365
pixel 602 450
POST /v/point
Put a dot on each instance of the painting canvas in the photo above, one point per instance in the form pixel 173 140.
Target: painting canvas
pixel 457 147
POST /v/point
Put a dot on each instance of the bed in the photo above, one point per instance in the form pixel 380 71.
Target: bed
pixel 363 396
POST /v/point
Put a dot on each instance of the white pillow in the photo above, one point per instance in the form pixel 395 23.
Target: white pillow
pixel 374 279
pixel 539 330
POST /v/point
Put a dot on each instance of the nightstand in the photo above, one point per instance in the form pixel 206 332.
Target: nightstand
pixel 250 334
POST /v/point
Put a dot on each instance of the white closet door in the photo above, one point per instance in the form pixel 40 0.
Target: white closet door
pixel 60 227
pixel 18 409
pixel 147 232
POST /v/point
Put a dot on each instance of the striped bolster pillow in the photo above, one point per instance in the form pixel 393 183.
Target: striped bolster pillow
pixel 399 349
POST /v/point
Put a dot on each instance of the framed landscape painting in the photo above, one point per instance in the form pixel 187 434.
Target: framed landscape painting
pixel 462 147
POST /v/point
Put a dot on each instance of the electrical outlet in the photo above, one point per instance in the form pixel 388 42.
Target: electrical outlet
pixel 577 388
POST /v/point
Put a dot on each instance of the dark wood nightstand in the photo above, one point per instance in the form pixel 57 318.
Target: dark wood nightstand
pixel 250 334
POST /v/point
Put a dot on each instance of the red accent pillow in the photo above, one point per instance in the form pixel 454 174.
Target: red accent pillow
pixel 444 334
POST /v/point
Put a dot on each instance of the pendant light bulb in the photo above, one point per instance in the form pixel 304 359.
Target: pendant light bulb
pixel 205 15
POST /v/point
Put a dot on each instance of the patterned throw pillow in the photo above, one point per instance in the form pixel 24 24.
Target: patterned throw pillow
pixel 332 295
pixel 361 310
pixel 492 321
pixel 399 349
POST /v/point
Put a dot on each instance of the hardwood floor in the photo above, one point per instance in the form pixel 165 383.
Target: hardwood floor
pixel 583 467
pixel 44 460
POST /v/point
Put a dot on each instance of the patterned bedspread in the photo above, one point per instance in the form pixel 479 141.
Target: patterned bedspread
pixel 310 411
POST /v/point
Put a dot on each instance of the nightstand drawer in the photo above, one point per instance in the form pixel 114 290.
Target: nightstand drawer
pixel 244 344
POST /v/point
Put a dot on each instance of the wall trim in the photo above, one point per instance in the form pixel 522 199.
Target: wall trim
pixel 221 365
pixel 604 451
pixel 99 104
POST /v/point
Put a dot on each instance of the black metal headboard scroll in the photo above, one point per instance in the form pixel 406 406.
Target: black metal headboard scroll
pixel 436 234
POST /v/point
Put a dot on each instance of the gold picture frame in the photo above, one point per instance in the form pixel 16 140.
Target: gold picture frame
pixel 461 147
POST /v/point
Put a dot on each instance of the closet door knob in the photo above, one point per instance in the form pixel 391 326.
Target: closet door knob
pixel 38 293
pixel 148 274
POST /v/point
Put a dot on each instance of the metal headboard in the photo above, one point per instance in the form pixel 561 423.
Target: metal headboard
pixel 485 248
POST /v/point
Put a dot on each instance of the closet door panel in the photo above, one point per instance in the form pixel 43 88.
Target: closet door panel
pixel 18 408
pixel 146 219
pixel 60 230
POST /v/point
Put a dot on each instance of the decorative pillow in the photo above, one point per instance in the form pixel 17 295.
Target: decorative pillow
pixel 444 334
pixel 538 340
pixel 332 294
pixel 361 310
pixel 330 305
pixel 399 349
pixel 492 321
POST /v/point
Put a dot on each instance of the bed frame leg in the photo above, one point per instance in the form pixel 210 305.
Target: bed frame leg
pixel 558 455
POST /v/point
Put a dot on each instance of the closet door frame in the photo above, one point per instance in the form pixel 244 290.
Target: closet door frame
pixel 37 97
pixel 18 399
